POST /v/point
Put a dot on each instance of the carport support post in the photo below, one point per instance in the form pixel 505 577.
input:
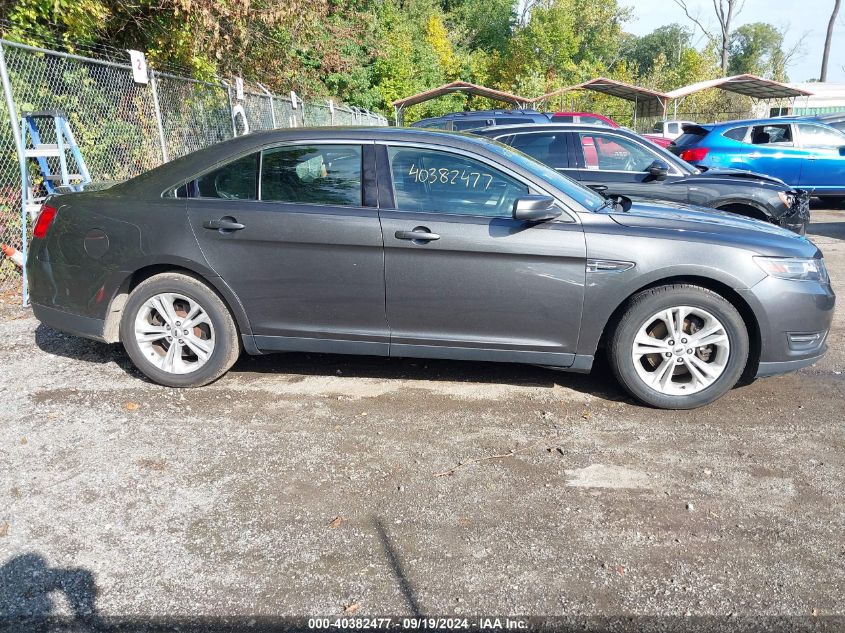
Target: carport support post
pixel 159 124
pixel 16 135
pixel 635 113
pixel 398 114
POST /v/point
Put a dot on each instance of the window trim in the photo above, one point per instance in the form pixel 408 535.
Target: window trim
pixel 564 205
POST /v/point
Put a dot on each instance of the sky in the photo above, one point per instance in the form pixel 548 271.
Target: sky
pixel 798 16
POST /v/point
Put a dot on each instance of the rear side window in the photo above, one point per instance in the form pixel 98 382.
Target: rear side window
pixel 434 181
pixel 736 133
pixel 594 120
pixel 673 128
pixel 771 135
pixel 471 124
pixel 550 149
pixel 237 180
pixel 512 120
pixel 563 118
pixel 312 174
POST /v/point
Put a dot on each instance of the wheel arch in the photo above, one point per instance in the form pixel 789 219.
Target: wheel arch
pixel 111 330
pixel 752 324
pixel 745 208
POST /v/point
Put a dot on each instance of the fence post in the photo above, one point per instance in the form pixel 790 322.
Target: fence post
pixel 272 106
pixel 19 149
pixel 231 111
pixel 159 121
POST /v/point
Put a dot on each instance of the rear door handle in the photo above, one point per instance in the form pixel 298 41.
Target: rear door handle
pixel 419 234
pixel 225 224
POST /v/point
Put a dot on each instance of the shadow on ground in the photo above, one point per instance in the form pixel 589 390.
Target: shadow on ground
pixel 599 383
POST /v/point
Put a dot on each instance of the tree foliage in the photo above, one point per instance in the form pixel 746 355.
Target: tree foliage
pixel 371 52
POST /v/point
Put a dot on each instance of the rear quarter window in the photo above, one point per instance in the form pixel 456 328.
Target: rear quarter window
pixel 736 134
pixel 689 138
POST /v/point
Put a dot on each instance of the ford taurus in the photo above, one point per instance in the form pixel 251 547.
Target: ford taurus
pixel 418 243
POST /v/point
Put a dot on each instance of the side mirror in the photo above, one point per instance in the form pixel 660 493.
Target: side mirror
pixel 658 170
pixel 535 209
pixel 598 188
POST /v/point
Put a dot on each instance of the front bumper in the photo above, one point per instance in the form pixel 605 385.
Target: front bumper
pixel 794 318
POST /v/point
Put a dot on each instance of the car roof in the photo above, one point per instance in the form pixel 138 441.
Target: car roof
pixel 548 127
pixel 482 113
pixel 200 160
pixel 772 120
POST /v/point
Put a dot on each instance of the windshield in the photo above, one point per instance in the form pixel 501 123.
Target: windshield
pixel 578 192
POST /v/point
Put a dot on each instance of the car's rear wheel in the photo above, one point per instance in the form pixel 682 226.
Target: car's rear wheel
pixel 678 346
pixel 178 331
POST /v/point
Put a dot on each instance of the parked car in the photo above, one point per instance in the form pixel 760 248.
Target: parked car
pixel 464 121
pixel 670 129
pixel 802 153
pixel 419 243
pixel 618 162
pixel 833 119
pixel 589 118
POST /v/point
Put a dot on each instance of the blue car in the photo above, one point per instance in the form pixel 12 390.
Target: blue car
pixel 802 152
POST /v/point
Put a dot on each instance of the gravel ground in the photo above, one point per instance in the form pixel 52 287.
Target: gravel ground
pixel 304 485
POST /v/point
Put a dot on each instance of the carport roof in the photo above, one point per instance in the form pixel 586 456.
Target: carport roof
pixel 461 86
pixel 748 85
pixel 649 102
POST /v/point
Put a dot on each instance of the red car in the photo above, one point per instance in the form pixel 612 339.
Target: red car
pixel 591 118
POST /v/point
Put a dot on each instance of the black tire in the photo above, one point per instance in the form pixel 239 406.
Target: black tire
pixel 648 302
pixel 226 339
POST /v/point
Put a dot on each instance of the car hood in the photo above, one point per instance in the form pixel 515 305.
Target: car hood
pixel 739 176
pixel 702 224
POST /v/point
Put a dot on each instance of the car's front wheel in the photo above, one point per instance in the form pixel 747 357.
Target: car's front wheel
pixel 178 331
pixel 678 346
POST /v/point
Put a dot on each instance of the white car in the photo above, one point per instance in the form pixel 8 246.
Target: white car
pixel 670 129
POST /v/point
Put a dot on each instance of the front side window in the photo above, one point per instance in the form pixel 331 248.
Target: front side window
pixel 772 135
pixel 312 174
pixel 237 180
pixel 817 136
pixel 433 181
pixel 673 128
pixel 548 148
pixel 606 152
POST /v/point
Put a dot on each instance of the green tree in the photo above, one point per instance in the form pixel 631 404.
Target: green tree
pixel 757 48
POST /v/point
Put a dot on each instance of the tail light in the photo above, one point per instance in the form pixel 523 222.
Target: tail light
pixel 45 219
pixel 694 154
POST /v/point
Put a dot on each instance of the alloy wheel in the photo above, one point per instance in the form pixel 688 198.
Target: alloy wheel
pixel 174 333
pixel 681 350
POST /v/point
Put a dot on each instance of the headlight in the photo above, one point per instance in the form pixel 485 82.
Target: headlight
pixel 797 268
pixel 786 198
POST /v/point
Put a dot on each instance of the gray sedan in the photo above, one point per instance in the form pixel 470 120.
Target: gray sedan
pixel 417 243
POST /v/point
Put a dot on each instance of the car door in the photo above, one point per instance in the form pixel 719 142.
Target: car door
pixel 773 151
pixel 301 246
pixel 463 278
pixel 824 168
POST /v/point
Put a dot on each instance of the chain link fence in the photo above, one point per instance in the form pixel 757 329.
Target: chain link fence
pixel 124 128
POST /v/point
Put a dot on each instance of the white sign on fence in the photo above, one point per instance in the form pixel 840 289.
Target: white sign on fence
pixel 239 88
pixel 139 67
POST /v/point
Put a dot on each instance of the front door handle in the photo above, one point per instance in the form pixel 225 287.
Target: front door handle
pixel 419 234
pixel 225 224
